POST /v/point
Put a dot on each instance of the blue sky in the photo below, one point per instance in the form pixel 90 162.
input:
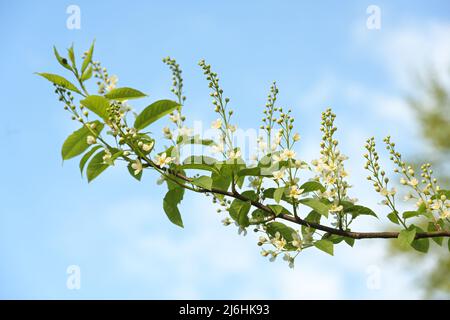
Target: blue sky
pixel 320 53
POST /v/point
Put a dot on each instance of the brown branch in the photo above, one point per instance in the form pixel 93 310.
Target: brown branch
pixel 349 234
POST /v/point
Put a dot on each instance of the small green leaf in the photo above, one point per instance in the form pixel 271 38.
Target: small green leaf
pixel 325 245
pixel 349 241
pixel 393 218
pixel 406 237
pixel 278 194
pixel 203 182
pixel 96 166
pixel 87 58
pixel 421 245
pixel 61 81
pixel 358 210
pixel 410 214
pixel 87 156
pixel 317 205
pixel 195 140
pixel 238 211
pixel 311 186
pixel 199 163
pixel 76 143
pixel 87 74
pixel 124 94
pixel 170 202
pixel 431 228
pixel 154 112
pixel 72 57
pixel 97 104
pixel 277 209
pixel 62 61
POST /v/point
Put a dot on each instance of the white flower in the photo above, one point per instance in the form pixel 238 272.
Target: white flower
pixel 289 154
pixel 217 124
pixel 385 192
pixel 167 133
pixel 300 164
pixel 185 131
pixel 107 157
pixel 111 82
pixel 278 241
pixel 435 205
pixel 137 167
pixel 232 128
pixel 147 146
pixel 278 174
pixel 217 148
pixel 295 192
pixel 403 181
pixel 262 146
pixel 296 241
pixel 162 160
pixel 296 137
pixel 278 158
pixel 175 117
pixel 445 214
pixel 335 208
pixel 234 154
pixel 91 140
pixel 413 182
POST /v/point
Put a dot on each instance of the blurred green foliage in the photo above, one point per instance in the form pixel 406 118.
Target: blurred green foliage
pixel 431 104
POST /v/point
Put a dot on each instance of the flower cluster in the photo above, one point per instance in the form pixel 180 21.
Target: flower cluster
pixel 105 82
pixel 330 167
pixel 425 189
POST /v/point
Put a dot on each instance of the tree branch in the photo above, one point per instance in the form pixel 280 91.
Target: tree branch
pixel 302 222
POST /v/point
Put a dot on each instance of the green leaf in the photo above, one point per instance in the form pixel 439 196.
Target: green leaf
pixel 170 202
pixel 410 214
pixel 87 74
pixel 87 156
pixel 87 58
pixel 238 211
pixel 277 209
pixel 124 94
pixel 131 171
pixel 317 205
pixel 61 81
pixel 199 163
pixel 76 143
pixel 393 218
pixel 97 104
pixel 431 228
pixel 62 61
pixel 154 112
pixel 221 180
pixel 72 57
pixel 349 241
pixel 311 186
pixel 448 245
pixel 360 210
pixel 421 245
pixel 278 194
pixel 96 166
pixel 406 237
pixel 203 182
pixel 196 140
pixel 325 245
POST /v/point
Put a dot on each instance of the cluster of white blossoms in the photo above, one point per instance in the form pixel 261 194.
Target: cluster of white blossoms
pixel 424 190
pixel 281 245
pixel 330 166
pixel 105 82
